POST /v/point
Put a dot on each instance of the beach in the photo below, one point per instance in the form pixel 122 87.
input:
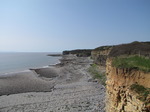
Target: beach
pixel 64 87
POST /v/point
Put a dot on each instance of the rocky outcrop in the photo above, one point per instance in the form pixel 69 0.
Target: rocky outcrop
pixel 79 52
pixel 120 97
pixel 127 89
pixel 100 54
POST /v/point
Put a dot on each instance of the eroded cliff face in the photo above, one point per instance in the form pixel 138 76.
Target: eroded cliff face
pixel 120 97
pixel 100 54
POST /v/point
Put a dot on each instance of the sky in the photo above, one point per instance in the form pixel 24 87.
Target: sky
pixel 57 25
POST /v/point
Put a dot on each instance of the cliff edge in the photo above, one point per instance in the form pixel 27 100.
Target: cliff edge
pixel 100 54
pixel 128 75
pixel 79 52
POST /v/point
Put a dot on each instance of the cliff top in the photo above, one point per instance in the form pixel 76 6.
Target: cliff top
pixel 101 48
pixel 135 55
pixel 79 52
pixel 132 62
pixel 140 48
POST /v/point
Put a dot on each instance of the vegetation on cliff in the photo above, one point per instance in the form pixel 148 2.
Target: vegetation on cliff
pixel 141 90
pixel 101 48
pixel 127 85
pixel 79 52
pixel 97 74
pixel 132 62
pixel 134 48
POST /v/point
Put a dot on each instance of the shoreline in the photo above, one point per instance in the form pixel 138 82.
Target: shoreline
pixel 18 62
pixel 3 74
pixel 65 84
pixel 33 77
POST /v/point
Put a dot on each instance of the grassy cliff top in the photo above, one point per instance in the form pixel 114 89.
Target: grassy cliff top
pixel 140 48
pixel 134 62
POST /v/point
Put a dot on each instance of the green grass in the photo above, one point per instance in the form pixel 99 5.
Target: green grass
pixel 142 91
pixel 95 72
pixel 135 62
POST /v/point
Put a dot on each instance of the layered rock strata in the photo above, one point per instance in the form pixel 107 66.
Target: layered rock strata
pixel 100 54
pixel 127 89
pixel 120 98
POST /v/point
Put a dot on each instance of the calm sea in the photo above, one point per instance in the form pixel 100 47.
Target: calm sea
pixel 13 62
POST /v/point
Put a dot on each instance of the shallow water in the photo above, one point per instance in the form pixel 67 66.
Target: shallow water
pixel 13 62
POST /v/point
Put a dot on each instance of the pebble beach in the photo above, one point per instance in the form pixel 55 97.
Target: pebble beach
pixel 65 87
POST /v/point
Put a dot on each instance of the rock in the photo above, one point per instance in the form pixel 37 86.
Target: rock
pixel 100 54
pixel 119 95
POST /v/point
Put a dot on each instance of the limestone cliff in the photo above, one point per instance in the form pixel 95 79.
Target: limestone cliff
pixel 128 82
pixel 120 97
pixel 128 88
pixel 100 54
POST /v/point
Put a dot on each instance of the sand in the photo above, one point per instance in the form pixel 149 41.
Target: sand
pixel 65 87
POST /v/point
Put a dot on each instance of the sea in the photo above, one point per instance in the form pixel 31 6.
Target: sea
pixel 11 62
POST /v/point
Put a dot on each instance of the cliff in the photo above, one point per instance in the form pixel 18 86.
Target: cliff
pixel 79 52
pixel 128 78
pixel 120 97
pixel 127 72
pixel 100 54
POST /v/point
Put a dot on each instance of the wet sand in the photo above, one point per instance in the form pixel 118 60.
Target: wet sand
pixel 65 87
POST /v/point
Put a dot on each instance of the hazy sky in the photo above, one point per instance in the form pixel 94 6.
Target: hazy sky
pixel 57 25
